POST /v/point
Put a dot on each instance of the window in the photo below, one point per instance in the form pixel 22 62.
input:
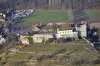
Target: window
pixel 69 31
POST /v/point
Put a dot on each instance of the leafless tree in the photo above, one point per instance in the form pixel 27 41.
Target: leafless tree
pixel 51 4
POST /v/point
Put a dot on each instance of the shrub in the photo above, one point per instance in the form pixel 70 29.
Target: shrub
pixel 30 40
pixel 50 40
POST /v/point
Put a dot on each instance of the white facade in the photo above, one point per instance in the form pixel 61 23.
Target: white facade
pixel 83 30
pixel 66 34
pixel 3 16
pixel 24 40
pixel 2 40
pixel 39 38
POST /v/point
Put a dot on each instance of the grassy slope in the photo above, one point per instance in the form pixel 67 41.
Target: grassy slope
pixel 74 50
pixel 46 16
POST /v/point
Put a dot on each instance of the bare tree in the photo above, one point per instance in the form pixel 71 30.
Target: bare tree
pixel 51 4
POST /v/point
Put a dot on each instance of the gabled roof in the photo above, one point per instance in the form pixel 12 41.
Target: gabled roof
pixel 51 26
pixel 61 26
pixel 65 27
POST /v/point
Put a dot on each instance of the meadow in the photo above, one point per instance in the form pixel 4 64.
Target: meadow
pixel 44 16
pixel 52 16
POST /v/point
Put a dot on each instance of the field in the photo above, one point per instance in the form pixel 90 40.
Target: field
pixel 95 13
pixel 73 53
pixel 44 16
pixel 47 16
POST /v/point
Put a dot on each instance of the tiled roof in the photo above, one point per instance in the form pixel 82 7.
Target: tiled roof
pixel 53 27
pixel 65 27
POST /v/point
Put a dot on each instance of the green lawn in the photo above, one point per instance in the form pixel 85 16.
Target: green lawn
pixel 47 16
pixel 44 16
pixel 93 13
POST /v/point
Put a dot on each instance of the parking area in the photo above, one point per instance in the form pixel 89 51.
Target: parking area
pixel 22 13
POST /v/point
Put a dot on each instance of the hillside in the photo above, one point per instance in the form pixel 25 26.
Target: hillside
pixel 75 53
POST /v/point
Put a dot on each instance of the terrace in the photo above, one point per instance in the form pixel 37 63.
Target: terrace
pixel 72 53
